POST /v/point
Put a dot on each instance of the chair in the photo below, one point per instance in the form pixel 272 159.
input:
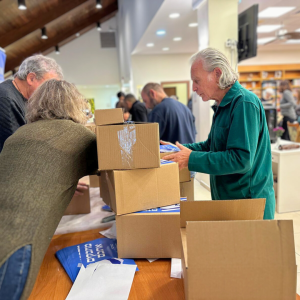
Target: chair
pixel 294 131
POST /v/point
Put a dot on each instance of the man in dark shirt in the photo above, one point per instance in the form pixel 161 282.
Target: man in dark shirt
pixel 175 119
pixel 136 108
pixel 14 93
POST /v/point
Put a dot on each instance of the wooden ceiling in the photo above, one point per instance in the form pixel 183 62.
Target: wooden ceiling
pixel 20 30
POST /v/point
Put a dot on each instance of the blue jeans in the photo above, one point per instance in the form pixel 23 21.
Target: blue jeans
pixel 13 274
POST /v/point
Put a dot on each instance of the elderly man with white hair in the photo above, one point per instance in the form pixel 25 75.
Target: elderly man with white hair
pixel 14 94
pixel 237 153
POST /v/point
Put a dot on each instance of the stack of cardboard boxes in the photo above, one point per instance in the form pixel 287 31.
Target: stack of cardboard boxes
pixel 186 182
pixel 227 250
pixel 134 179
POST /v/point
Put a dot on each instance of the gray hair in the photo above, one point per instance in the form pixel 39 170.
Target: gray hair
pixel 130 98
pixel 57 99
pixel 39 65
pixel 213 58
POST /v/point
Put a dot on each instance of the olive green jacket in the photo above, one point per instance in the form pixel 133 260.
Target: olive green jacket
pixel 40 166
pixel 237 153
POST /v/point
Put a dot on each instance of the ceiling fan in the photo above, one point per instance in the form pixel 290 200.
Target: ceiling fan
pixel 283 34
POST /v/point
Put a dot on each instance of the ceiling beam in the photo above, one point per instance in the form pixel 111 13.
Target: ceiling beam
pixel 58 9
pixel 14 59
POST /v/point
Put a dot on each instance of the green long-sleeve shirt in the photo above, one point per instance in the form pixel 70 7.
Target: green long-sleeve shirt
pixel 237 153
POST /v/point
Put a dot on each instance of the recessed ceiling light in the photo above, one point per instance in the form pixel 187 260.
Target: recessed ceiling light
pixel 166 49
pixel 150 45
pixel 174 15
pixel 274 12
pixel 160 32
pixel 176 39
pixel 293 42
pixel 193 24
pixel 298 30
pixel 267 28
pixel 263 41
pixel 77 34
pixel 22 4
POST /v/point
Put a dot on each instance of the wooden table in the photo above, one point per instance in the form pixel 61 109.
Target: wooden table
pixel 151 282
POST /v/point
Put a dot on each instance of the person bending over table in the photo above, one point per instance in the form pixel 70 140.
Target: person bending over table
pixel 237 153
pixel 40 166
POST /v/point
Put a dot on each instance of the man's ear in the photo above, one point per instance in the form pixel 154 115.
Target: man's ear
pixel 30 78
pixel 152 93
pixel 218 73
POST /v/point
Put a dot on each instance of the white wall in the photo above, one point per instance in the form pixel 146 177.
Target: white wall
pixel 105 96
pixel 158 68
pixel 133 18
pixel 273 58
pixel 84 62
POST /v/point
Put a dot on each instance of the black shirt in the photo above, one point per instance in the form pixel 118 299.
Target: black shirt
pixel 12 110
pixel 175 121
pixel 139 112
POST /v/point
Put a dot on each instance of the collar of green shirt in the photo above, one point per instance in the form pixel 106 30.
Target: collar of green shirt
pixel 230 94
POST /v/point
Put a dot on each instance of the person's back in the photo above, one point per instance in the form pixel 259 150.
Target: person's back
pixel 288 105
pixel 175 121
pixel 40 166
pixel 12 110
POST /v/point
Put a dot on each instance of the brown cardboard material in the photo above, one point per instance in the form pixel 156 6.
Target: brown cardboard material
pixel 91 126
pixel 108 116
pixel 187 189
pixel 135 190
pixel 184 174
pixel 128 146
pixel 79 204
pixel 229 252
pixel 94 181
pixel 148 235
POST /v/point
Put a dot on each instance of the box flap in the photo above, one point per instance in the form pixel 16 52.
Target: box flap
pixel 184 246
pixel 108 116
pixel 221 210
pixel 237 258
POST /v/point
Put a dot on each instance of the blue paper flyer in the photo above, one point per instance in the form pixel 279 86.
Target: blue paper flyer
pixel 165 209
pixel 87 253
pixel 168 148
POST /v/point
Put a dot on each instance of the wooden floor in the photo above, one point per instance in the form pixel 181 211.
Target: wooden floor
pixel 151 282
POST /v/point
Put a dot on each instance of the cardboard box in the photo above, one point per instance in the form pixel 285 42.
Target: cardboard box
pixel 184 174
pixel 128 146
pixel 229 252
pixel 187 190
pixel 79 204
pixel 94 181
pixel 135 190
pixel 91 126
pixel 108 116
pixel 154 233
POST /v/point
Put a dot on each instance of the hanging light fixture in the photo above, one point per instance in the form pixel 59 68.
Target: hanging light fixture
pixel 44 33
pixel 22 4
pixel 57 50
pixel 98 26
pixel 98 4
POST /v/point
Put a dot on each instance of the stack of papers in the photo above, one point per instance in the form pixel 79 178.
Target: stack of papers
pixel 87 253
pixel 103 281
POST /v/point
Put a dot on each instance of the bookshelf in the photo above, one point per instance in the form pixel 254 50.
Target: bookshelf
pixel 256 77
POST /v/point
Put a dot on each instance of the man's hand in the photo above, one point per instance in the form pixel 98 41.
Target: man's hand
pixel 166 143
pixel 81 187
pixel 181 157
